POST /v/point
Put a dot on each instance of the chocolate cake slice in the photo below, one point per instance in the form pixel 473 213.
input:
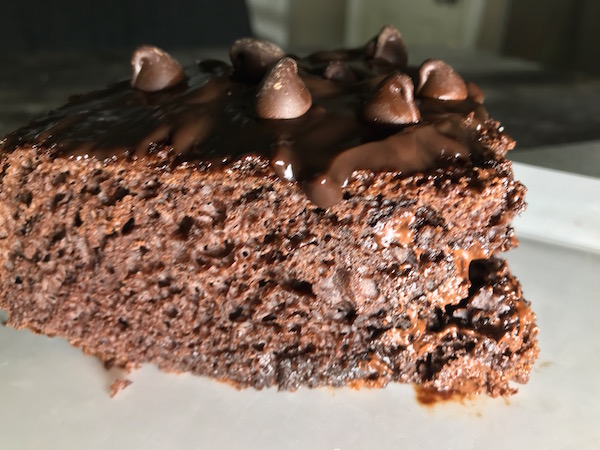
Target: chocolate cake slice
pixel 333 220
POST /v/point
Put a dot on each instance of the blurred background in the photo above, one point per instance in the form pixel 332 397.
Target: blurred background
pixel 538 62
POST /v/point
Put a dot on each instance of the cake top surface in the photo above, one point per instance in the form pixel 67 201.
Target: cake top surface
pixel 317 119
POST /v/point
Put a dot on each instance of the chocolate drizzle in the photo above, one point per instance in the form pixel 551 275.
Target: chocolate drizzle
pixel 317 119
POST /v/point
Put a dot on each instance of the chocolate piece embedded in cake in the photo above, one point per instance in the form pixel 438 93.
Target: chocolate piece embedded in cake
pixel 313 225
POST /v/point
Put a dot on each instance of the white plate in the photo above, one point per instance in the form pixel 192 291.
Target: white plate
pixel 54 397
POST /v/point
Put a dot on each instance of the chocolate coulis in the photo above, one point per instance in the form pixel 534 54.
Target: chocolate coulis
pixel 318 118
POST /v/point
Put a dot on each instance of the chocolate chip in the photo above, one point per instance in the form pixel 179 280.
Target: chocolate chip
pixel 252 58
pixel 340 72
pixel 154 70
pixel 475 93
pixel 392 102
pixel 283 94
pixel 438 80
pixel 388 45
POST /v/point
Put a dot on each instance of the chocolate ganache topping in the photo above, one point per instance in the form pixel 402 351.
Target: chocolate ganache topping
pixel 317 119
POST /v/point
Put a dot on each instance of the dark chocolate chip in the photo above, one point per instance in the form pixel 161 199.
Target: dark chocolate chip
pixel 283 94
pixel 252 58
pixel 388 45
pixel 475 93
pixel 154 70
pixel 392 102
pixel 438 80
pixel 340 72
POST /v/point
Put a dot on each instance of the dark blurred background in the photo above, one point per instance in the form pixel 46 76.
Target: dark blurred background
pixel 67 25
pixel 537 61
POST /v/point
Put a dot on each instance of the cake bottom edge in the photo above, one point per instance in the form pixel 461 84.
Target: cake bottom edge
pixel 484 344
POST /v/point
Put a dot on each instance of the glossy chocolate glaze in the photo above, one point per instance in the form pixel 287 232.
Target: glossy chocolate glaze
pixel 337 112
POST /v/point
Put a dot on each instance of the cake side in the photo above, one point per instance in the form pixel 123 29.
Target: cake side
pixel 235 274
